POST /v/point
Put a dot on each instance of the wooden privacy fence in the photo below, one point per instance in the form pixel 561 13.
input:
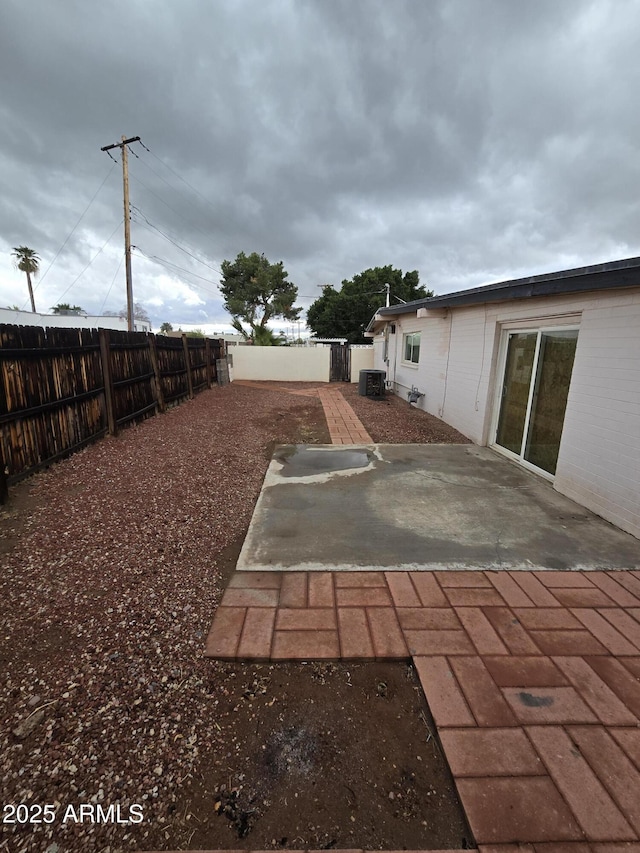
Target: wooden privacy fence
pixel 62 388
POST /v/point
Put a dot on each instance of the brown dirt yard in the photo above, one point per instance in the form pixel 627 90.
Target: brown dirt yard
pixel 113 562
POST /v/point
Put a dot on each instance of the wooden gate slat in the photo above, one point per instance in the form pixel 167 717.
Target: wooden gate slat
pixel 340 363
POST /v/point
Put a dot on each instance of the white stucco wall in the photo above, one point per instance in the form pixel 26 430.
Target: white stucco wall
pixel 361 359
pixel 68 321
pixel 282 364
pixel 599 459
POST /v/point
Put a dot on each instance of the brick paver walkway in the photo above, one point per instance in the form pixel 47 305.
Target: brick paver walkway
pixel 344 425
pixel 533 680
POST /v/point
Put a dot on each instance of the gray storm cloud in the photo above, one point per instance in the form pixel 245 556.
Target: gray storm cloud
pixel 471 141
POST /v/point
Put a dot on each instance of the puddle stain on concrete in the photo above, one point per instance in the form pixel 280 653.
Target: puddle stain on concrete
pixel 306 463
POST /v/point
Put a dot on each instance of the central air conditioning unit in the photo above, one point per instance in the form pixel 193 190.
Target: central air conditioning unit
pixel 371 383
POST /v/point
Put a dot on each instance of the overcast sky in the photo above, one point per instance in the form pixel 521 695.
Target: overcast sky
pixel 473 140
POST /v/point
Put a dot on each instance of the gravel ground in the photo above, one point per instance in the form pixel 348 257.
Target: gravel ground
pixel 113 564
pixel 394 421
pixel 112 570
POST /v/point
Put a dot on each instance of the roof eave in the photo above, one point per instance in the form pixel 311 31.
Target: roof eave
pixel 611 276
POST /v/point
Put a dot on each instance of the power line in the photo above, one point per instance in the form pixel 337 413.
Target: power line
pixel 174 242
pixel 184 181
pixel 175 266
pixel 191 225
pixel 182 269
pixel 91 261
pixel 113 281
pixel 73 230
pixel 171 267
pixel 157 174
pixel 148 189
pixel 166 204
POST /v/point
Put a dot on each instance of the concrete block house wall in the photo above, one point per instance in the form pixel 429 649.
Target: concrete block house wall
pixel 599 462
pixel 461 362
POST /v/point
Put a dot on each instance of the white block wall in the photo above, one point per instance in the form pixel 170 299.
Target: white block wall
pixel 361 359
pixel 68 321
pixel 599 460
pixel 282 364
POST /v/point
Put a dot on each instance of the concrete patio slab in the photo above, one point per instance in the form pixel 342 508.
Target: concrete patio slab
pixel 424 507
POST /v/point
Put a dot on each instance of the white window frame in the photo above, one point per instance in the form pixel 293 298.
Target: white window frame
pixel 405 335
pixel 497 403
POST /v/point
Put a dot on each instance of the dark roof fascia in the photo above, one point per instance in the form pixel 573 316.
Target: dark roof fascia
pixel 610 276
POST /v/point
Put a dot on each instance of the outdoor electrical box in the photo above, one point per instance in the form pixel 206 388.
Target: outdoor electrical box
pixel 371 383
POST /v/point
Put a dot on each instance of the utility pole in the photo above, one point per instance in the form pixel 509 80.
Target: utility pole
pixel 127 220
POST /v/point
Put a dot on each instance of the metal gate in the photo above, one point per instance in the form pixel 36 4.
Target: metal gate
pixel 340 366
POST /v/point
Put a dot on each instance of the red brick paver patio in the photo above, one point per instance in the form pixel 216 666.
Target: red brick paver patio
pixel 533 679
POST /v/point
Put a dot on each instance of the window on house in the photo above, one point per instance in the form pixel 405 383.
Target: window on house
pixel 412 347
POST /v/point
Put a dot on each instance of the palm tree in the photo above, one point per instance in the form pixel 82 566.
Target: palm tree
pixel 65 308
pixel 28 261
pixel 263 336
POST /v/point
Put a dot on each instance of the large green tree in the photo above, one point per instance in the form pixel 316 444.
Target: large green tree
pixel 345 313
pixel 256 291
pixel 28 262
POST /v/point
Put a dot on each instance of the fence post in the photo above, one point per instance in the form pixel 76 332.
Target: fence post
pixel 207 358
pixel 105 357
pixel 153 354
pixel 187 360
pixel 4 490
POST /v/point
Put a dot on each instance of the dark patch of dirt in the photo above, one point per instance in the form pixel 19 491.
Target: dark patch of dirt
pixel 322 756
pixel 227 558
pixel 15 512
pixel 304 424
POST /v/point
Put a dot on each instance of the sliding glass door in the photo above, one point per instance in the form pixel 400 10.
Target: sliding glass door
pixel 535 387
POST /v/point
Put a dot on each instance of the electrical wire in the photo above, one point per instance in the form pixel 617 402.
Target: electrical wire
pixel 91 261
pixel 171 187
pixel 166 204
pixel 214 269
pixel 184 181
pixel 181 269
pixel 193 189
pixel 113 281
pixel 172 267
pixel 73 230
pixel 155 195
pixel 157 174
pixel 173 241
